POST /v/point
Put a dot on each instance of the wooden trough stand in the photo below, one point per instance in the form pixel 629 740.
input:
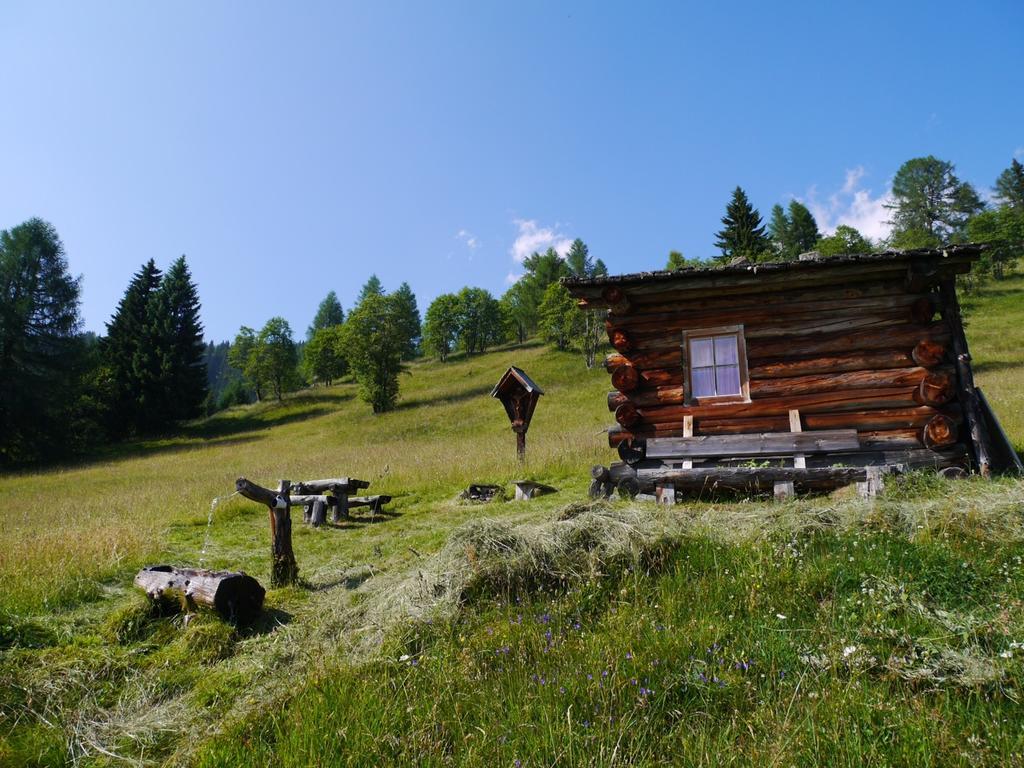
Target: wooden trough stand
pixel 315 496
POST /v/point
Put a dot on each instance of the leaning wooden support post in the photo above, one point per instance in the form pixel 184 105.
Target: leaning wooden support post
pixel 235 596
pixel 284 570
pixel 965 378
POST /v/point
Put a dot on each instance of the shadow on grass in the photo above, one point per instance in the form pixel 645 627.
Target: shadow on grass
pixel 356 523
pixel 268 621
pixel 440 399
pixel 996 365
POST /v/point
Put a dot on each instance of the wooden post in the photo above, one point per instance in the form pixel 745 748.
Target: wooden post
pixel 965 378
pixel 339 510
pixel 785 489
pixel 319 513
pixel 284 570
pixel 521 445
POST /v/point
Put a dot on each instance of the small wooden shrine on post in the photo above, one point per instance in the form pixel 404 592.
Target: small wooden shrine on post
pixel 519 394
pixel 805 374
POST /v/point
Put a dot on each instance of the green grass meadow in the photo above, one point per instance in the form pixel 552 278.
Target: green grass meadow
pixel 825 630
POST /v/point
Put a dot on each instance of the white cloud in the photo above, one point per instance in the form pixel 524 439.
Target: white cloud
pixel 512 278
pixel 853 205
pixel 535 238
pixel 471 240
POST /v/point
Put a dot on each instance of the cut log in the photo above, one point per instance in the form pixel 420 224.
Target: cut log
pixel 235 596
pixel 937 388
pixel 928 353
pixel 376 503
pixel 749 478
pixel 939 432
pixel 625 378
pixel 616 300
pixel 620 340
pixel 627 414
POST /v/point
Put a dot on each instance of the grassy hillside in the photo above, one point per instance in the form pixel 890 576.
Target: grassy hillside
pixel 611 634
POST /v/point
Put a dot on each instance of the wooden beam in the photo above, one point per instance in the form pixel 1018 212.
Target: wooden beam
pixel 965 377
pixel 235 596
pixel 765 444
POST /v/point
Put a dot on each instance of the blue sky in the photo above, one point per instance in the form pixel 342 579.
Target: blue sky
pixel 293 148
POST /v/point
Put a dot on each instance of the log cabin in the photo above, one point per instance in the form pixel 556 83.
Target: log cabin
pixel 781 376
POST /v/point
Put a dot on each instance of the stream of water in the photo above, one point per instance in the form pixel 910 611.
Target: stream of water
pixel 209 525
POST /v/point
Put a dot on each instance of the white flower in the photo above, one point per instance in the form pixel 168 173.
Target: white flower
pixel 779 616
pixel 849 651
pixel 1006 655
pixel 404 657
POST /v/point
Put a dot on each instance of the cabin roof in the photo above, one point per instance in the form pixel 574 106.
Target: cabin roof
pixel 807 263
pixel 517 375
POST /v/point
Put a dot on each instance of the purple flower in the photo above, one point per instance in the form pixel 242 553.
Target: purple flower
pixel 629 656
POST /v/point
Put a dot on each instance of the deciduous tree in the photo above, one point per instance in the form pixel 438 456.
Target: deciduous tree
pixel 930 205
pixel 374 343
pixel 441 326
pixel 844 240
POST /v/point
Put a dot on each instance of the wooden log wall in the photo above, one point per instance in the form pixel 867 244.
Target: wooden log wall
pixel 871 354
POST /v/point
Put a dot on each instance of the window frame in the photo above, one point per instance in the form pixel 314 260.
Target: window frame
pixel 741 353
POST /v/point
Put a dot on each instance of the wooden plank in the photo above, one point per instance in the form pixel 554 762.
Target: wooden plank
pixel 687 432
pixel 799 460
pixel 765 444
pixel 1004 457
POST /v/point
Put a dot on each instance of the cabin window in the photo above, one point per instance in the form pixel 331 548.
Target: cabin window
pixel 716 365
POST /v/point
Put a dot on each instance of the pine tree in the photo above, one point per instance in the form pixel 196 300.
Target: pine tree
pixel 328 314
pixel 130 352
pixel 179 335
pixel 1010 186
pixel 742 234
pixel 39 345
pixel 373 287
pixel 409 318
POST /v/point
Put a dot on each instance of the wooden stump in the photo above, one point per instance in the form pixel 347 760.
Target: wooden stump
pixel 235 596
pixel 284 570
pixel 319 513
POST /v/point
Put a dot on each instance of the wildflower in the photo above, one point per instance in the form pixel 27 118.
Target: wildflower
pixel 1006 655
pixel 849 651
pixel 780 616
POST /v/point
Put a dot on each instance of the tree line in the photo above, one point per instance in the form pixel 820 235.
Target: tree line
pixel 930 207
pixel 63 392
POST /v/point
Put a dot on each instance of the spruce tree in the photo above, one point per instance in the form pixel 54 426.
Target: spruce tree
pixel 778 231
pixel 328 314
pixel 372 287
pixel 179 335
pixel 39 345
pixel 409 319
pixel 742 234
pixel 803 229
pixel 578 259
pixel 129 351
